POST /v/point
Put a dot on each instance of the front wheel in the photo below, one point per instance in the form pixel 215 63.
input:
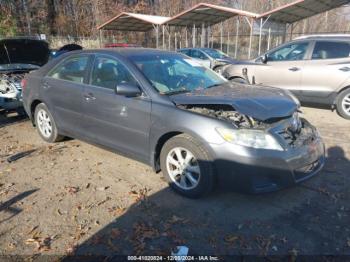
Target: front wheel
pixel 46 125
pixel 343 104
pixel 187 166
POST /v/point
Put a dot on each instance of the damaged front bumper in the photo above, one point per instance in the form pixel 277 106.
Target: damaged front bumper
pixel 261 170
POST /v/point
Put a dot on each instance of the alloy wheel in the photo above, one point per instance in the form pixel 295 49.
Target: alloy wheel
pixel 44 123
pixel 346 104
pixel 183 168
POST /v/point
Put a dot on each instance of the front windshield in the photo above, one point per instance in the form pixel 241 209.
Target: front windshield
pixel 173 73
pixel 215 53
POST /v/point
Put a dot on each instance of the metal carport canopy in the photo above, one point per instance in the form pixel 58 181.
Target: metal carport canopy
pixel 301 9
pixel 133 22
pixel 208 14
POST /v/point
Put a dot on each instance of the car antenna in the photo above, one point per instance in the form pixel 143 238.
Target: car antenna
pixel 8 56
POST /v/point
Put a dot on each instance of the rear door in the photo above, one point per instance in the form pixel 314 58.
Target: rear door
pixel 326 71
pixel 284 67
pixel 115 121
pixel 62 91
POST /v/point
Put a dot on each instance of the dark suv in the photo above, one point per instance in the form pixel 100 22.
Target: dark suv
pixel 164 110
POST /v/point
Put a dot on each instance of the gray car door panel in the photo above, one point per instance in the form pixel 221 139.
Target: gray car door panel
pixel 65 98
pixel 62 91
pixel 117 122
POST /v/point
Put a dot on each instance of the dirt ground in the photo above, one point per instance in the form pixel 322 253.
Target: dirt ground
pixel 75 198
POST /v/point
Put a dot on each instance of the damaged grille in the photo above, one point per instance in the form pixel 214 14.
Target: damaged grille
pixel 226 113
pixel 297 133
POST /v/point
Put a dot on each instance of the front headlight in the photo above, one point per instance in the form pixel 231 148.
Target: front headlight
pixel 250 138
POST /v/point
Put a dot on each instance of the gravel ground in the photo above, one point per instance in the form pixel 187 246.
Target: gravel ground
pixel 74 198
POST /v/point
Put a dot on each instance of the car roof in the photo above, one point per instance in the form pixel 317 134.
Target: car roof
pixel 125 51
pixel 341 37
pixel 198 48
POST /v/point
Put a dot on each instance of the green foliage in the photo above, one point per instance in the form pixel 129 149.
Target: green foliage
pixel 8 26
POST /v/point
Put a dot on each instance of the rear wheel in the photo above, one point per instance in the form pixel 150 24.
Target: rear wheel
pixel 343 104
pixel 187 166
pixel 46 125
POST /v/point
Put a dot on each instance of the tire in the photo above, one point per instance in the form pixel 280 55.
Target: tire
pixel 46 125
pixel 200 161
pixel 343 104
pixel 239 80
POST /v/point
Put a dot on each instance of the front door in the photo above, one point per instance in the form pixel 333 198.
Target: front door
pixel 283 68
pixel 115 121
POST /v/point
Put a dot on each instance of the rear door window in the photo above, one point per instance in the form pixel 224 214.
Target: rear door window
pixel 73 69
pixel 331 50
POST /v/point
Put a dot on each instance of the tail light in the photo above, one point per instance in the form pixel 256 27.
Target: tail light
pixel 24 84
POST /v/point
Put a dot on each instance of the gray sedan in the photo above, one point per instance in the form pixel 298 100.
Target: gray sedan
pixel 185 120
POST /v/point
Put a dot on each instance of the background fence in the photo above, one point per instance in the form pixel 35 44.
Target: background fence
pixel 235 46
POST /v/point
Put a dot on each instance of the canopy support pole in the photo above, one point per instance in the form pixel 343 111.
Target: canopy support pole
pixel 175 42
pixel 203 35
pixel 269 39
pixel 228 42
pixel 100 37
pixel 221 32
pixel 237 31
pixel 208 36
pixel 156 28
pixel 163 29
pixel 262 23
pixel 186 37
pixel 169 38
pixel 194 36
pixel 250 22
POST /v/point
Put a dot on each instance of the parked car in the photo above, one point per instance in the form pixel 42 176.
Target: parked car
pixel 314 68
pixel 113 45
pixel 64 49
pixel 18 56
pixel 160 108
pixel 208 57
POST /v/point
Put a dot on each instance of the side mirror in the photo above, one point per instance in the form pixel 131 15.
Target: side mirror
pixel 127 89
pixel 264 59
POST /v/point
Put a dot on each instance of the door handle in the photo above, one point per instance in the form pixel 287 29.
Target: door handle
pixel 294 69
pixel 46 85
pixel 345 69
pixel 89 97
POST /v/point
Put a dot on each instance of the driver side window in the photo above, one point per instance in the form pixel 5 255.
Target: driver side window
pixel 108 73
pixel 291 52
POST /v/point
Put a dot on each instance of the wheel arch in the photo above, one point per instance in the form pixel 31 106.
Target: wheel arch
pixel 155 161
pixel 158 148
pixel 33 105
pixel 339 92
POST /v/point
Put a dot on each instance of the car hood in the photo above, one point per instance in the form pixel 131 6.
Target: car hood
pixel 261 103
pixel 23 51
